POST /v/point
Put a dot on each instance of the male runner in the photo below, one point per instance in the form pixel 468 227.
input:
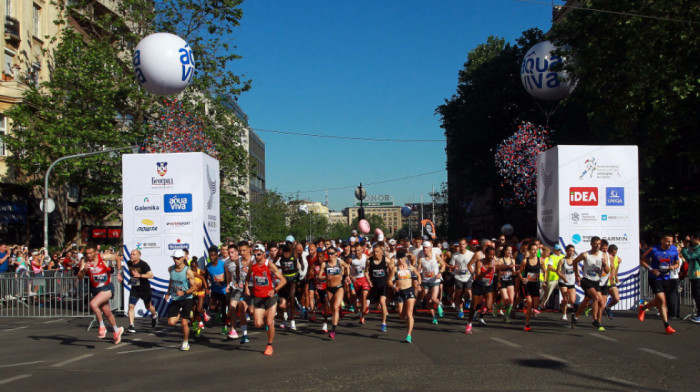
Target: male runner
pixel 659 261
pixel 140 288
pixel 594 262
pixel 463 268
pixel 215 273
pixel 180 289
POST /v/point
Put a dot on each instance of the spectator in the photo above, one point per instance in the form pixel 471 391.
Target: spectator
pixel 691 254
pixel 4 259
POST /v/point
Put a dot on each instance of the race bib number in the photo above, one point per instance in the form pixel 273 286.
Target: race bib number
pixel 378 273
pixel 462 272
pixel 219 278
pixel 532 276
pixel 429 274
pixel 288 265
pixel 135 282
pixel 262 281
pixel 100 278
pixel 359 269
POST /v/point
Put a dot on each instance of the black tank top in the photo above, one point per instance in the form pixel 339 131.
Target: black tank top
pixel 289 266
pixel 532 272
pixel 377 272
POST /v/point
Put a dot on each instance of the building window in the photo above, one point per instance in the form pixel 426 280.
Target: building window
pixel 37 21
pixel 3 131
pixel 8 67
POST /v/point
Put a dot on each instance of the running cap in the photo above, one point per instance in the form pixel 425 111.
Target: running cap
pixel 354 232
pixel 474 242
pixel 353 240
pixel 380 237
pixel 261 247
pixel 557 247
pixel 392 242
pixel 290 238
pixel 445 245
pixel 178 253
pixel 427 244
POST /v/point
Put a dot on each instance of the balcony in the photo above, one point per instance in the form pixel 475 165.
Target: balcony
pixel 12 30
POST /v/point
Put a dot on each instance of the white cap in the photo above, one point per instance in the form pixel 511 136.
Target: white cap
pixel 178 253
pixel 380 237
pixel 354 232
pixel 290 238
pixel 353 239
pixel 427 244
pixel 260 247
pixel 392 242
pixel 445 245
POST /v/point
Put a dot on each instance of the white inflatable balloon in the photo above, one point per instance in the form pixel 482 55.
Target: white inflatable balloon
pixel 163 63
pixel 537 77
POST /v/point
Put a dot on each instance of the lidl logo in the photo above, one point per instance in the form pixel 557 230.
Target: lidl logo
pixel 583 196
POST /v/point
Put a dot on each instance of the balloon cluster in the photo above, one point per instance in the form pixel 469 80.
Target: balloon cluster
pixel 175 129
pixel 516 161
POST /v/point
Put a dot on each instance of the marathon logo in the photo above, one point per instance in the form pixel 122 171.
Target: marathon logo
pixel 583 196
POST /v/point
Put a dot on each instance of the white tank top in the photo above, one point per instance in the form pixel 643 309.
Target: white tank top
pixel 461 261
pixel 429 269
pixel 358 266
pixel 592 265
pixel 569 274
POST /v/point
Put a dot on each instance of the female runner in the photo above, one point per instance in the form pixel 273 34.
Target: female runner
pixel 402 276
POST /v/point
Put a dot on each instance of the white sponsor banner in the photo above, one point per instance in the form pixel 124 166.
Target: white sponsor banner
pixel 596 194
pixel 170 201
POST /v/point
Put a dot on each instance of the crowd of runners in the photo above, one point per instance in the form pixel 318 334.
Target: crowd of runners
pixel 273 285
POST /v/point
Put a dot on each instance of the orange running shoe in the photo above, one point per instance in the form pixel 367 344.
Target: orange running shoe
pixel 268 350
pixel 640 315
pixel 527 328
pixel 670 330
pixel 102 332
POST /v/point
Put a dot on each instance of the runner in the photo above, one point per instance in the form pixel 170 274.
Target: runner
pixel 246 300
pixel 335 269
pixel 377 273
pixel 317 284
pixel 506 273
pixel 263 293
pixel 463 268
pixel 659 261
pixel 358 264
pixel 604 280
pixel 530 271
pixel 180 289
pixel 300 292
pixel 402 276
pixel 568 277
pixel 290 270
pixel 198 296
pixel 215 273
pixel 613 281
pixel 140 272
pixel 101 287
pixel 234 291
pixel 431 266
pixel 483 288
pixel 594 262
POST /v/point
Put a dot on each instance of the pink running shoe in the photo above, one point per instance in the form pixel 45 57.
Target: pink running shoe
pixel 102 332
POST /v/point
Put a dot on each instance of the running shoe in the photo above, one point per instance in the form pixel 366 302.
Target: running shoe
pixel 452 305
pixel 587 312
pixel 120 331
pixel 362 320
pixel 245 339
pixel 383 328
pixel 408 339
pixel 500 312
pixel 224 330
pixel 482 321
pixel 573 322
pixel 537 311
pixel 640 314
pixel 131 328
pixel 507 316
pixel 601 328
pixel 206 317
pixel 527 328
pixel 102 332
pixel 331 335
pixel 154 320
pixel 563 317
pixel 197 332
pixel 468 331
pixel 670 330
pixel 283 325
pixel 467 304
pixel 609 313
pixel 200 325
pixel 232 334
pixel 435 322
pixel 325 328
pixel 695 319
pixel 185 346
pixel 440 311
pixel 293 327
pixel 268 350
pixel 460 314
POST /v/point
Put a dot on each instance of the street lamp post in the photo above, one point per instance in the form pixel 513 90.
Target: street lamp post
pixel 46 184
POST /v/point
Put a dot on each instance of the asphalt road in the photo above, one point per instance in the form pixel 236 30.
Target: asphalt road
pixel 58 354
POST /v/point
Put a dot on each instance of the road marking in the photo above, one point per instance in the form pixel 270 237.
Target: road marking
pixel 19 364
pixel 14 329
pixel 659 353
pixel 123 343
pixel 600 336
pixel 556 359
pixel 146 349
pixel 507 343
pixel 72 360
pixel 621 381
pixel 52 321
pixel 15 378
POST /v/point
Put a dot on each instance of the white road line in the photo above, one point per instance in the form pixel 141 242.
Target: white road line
pixel 507 343
pixel 556 359
pixel 15 378
pixel 52 321
pixel 659 353
pixel 621 381
pixel 146 349
pixel 20 364
pixel 123 343
pixel 14 329
pixel 600 336
pixel 76 359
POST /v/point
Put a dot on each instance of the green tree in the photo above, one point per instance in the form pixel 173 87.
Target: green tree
pixel 339 230
pixel 313 226
pixel 639 82
pixel 269 218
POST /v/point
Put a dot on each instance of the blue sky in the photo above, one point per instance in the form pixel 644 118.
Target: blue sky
pixel 362 69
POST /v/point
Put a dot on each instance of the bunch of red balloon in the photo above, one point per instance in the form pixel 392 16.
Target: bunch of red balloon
pixel 516 161
pixel 175 129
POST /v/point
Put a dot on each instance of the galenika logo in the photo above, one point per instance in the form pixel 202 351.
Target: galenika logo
pixel 583 196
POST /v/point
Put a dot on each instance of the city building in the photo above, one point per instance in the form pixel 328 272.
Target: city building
pixel 337 217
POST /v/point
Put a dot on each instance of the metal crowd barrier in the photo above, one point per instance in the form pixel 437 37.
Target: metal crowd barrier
pixel 50 294
pixel 683 289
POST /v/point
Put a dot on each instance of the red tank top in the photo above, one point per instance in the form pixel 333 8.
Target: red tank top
pixel 98 273
pixel 487 279
pixel 262 280
pixel 319 277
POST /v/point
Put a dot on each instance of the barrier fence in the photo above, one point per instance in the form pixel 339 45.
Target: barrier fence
pixel 683 289
pixel 50 294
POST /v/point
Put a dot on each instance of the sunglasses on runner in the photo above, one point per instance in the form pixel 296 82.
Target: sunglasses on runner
pixel 330 253
pixel 259 254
